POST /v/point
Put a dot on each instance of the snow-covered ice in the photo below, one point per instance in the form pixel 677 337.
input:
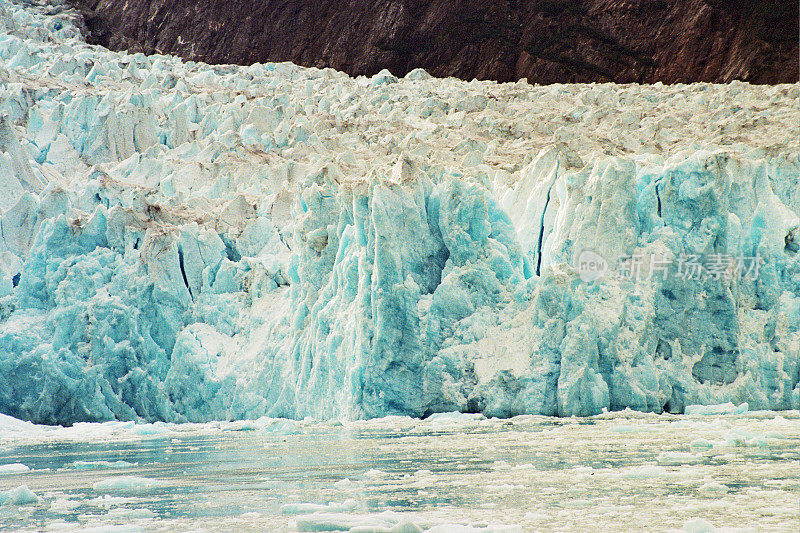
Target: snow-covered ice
pixel 184 242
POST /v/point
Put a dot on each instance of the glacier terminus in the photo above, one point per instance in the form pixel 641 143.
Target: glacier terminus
pixel 185 242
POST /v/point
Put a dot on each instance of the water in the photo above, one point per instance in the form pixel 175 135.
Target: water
pixel 618 471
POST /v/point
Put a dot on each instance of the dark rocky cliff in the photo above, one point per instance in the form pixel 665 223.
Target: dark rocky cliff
pixel 544 40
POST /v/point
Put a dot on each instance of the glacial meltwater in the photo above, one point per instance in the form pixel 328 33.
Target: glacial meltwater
pixel 717 467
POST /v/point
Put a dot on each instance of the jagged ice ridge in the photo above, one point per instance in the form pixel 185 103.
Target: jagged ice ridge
pixel 181 241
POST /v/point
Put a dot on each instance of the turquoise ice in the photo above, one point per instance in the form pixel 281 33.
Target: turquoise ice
pixel 185 242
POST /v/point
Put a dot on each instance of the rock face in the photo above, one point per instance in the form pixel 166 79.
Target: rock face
pixel 547 41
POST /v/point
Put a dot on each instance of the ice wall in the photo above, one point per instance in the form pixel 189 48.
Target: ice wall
pixel 186 242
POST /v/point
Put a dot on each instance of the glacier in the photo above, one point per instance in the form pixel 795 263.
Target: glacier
pixel 190 242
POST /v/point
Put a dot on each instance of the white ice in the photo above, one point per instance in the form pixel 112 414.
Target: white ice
pixel 13 468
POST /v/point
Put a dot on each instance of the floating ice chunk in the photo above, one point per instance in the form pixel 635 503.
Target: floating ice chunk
pixel 628 428
pixel 502 487
pixel 741 438
pixel 698 525
pixel 101 465
pixel 156 429
pixel 65 505
pixel 719 409
pixel 132 485
pixel 14 468
pixel 404 526
pixel 333 507
pixel 339 522
pixel 577 503
pixel 459 528
pixel 454 418
pixel 124 513
pixel 713 488
pixel 678 458
pixel 345 484
pixel 21 495
pixel 110 501
pixel 277 426
pixel 702 444
pixel 501 465
pixel 645 471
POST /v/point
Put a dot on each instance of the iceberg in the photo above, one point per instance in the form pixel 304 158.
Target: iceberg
pixel 189 242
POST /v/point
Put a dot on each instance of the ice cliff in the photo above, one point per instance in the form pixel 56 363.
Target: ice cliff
pixel 181 241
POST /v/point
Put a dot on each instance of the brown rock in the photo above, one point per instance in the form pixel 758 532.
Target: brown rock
pixel 545 41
